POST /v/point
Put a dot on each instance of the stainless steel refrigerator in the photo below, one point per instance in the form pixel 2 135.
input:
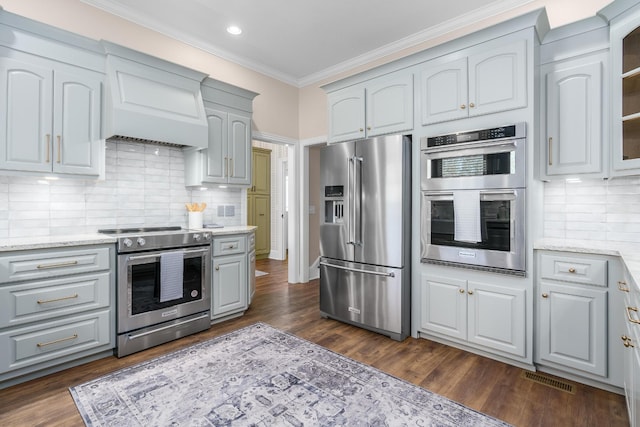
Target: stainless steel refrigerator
pixel 365 234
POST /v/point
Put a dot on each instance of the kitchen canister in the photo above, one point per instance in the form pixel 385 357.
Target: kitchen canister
pixel 195 220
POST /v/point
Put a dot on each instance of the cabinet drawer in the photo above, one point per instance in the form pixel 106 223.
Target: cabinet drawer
pixel 44 264
pixel 590 271
pixel 37 301
pixel 252 241
pixel 36 344
pixel 229 245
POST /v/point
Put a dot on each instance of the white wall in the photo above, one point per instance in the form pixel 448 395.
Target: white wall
pixel 593 210
pixel 144 185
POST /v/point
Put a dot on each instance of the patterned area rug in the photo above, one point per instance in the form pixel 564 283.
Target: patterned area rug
pixel 261 376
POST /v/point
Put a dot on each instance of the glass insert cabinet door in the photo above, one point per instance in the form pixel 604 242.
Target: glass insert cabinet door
pixel 625 51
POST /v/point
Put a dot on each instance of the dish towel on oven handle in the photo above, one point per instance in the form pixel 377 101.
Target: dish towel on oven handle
pixel 171 275
pixel 466 208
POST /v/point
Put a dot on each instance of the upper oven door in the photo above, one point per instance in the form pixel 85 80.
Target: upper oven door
pixel 475 165
pixel 500 242
pixel 140 302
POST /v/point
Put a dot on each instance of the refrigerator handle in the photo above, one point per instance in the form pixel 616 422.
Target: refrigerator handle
pixel 358 212
pixel 350 201
pixel 359 270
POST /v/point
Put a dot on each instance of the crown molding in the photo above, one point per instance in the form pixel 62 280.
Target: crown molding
pixel 493 9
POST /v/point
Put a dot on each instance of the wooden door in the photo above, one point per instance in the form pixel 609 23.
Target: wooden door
pixel 259 200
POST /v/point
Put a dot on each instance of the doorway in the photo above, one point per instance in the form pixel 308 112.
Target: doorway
pixel 269 191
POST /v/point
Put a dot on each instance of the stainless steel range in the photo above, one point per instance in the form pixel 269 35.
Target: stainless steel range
pixel 163 282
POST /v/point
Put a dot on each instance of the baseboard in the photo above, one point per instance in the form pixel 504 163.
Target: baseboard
pixel 314 271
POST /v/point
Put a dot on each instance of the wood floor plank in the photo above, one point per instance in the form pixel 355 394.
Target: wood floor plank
pixel 483 384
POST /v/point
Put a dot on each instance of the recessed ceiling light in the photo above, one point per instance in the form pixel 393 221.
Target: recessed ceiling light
pixel 234 29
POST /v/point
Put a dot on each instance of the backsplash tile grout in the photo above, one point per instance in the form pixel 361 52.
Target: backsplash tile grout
pixel 604 210
pixel 144 185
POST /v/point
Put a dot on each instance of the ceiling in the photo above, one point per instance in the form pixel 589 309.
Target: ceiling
pixel 303 41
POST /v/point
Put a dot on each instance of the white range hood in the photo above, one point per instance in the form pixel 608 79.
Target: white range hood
pixel 153 100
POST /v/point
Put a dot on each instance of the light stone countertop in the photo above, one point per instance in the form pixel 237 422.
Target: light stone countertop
pixel 64 241
pixel 628 252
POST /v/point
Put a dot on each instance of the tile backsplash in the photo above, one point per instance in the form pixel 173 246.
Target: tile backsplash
pixel 605 210
pixel 143 185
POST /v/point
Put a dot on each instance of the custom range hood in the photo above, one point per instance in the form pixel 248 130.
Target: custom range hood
pixel 149 99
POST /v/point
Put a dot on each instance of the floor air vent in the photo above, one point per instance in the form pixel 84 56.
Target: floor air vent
pixel 548 381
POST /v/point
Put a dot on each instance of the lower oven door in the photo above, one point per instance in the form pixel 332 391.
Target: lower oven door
pixel 500 243
pixel 140 303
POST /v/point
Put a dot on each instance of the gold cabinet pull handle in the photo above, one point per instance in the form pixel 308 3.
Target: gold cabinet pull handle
pixel 470 292
pixel 550 151
pixel 56 265
pixel 629 310
pixel 472 105
pixel 47 301
pixel 572 270
pixel 217 267
pixel 622 285
pixel 226 167
pixel 461 290
pixel 44 344
pixel 368 127
pixel 462 107
pixel 545 295
pixel 48 147
pixel 361 129
pixel 59 147
pixel 230 166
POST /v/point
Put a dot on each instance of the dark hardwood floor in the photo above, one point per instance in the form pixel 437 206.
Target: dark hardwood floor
pixel 488 386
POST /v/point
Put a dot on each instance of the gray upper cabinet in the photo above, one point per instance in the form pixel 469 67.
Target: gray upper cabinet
pixel 227 159
pixel 380 106
pixel 50 117
pixel 573 117
pixel 483 81
pixel 51 94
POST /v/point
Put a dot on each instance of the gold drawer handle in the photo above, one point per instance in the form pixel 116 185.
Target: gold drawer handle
pixel 572 270
pixel 461 290
pixel 545 295
pixel 44 344
pixel 56 265
pixel 629 310
pixel 622 285
pixel 57 299
pixel 470 292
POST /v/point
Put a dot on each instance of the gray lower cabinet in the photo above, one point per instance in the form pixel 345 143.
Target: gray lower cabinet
pixel 629 335
pixel 57 309
pixel 251 259
pixel 229 278
pixel 576 316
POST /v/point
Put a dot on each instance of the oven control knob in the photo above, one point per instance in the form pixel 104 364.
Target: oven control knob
pixel 127 242
pixel 207 236
pixel 197 237
pixel 141 241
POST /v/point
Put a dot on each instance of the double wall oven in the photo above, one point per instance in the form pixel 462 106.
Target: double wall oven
pixel 473 199
pixel 163 285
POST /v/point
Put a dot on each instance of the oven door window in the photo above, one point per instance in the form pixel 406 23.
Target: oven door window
pixel 495 225
pixel 145 285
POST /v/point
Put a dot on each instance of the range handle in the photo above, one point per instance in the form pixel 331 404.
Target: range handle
pixel 359 270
